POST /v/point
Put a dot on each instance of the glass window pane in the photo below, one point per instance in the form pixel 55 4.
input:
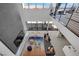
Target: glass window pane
pixel 46 5
pixel 50 22
pixel 32 5
pixel 29 22
pixel 40 22
pixel 69 5
pixel 39 5
pixel 34 22
pixel 62 5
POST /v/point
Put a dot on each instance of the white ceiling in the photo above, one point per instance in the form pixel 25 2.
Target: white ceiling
pixel 36 15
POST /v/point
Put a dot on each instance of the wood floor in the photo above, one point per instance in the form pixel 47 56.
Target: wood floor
pixel 35 52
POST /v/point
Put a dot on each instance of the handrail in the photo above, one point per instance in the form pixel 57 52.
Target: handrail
pixel 70 36
pixel 20 49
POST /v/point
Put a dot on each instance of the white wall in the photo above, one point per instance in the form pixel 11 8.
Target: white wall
pixel 10 23
pixel 4 50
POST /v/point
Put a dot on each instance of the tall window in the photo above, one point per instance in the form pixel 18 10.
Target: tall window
pixel 46 5
pixel 36 5
pixel 39 5
pixel 32 5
